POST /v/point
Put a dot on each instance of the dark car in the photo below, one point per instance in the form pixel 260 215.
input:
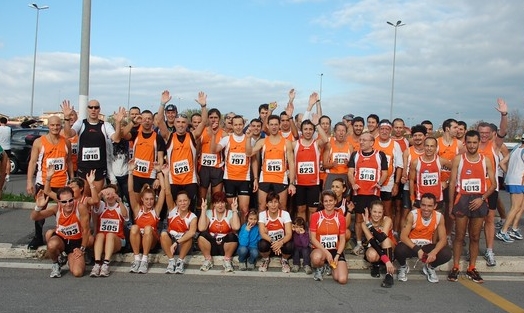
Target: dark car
pixel 21 142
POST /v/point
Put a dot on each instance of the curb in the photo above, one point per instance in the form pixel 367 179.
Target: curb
pixel 505 264
pixel 17 205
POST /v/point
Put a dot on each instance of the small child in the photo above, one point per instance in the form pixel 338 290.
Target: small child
pixel 301 246
pixel 248 238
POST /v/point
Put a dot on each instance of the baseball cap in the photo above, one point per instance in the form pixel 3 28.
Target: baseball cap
pixel 171 107
pixel 385 122
pixel 348 117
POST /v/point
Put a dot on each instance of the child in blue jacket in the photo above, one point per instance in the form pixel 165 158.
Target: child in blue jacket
pixel 248 238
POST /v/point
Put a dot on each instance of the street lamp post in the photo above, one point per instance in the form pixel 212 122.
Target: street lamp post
pixel 37 8
pixel 397 25
pixel 129 88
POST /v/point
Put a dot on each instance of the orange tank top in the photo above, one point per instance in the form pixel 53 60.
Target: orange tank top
pixel 471 178
pixel 237 165
pixel 206 157
pixel 307 163
pixel 339 156
pixel 390 155
pixel 367 173
pixel 274 162
pixel 56 155
pixel 145 151
pixel 448 152
pixel 68 226
pixel 428 178
pixel 182 157
pixel 422 231
pixel 111 221
pixel 328 228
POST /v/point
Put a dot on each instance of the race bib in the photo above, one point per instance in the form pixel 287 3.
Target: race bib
pixel 367 173
pixel 209 159
pixel 421 242
pixel 340 158
pixel 74 148
pixel 91 154
pixel 109 225
pixel 58 163
pixel 274 165
pixel 237 158
pixel 181 167
pixel 142 166
pixel 471 185
pixel 69 230
pixel 276 234
pixel 429 179
pixel 329 241
pixel 306 167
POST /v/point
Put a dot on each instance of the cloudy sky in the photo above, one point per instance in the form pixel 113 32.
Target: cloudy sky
pixel 454 58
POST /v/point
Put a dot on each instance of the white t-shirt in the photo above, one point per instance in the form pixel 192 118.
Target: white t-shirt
pixel 5 137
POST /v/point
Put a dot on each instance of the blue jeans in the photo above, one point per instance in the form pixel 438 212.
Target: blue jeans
pixel 247 253
pixel 305 253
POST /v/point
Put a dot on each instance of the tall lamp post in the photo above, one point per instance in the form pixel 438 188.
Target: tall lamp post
pixel 129 87
pixel 37 8
pixel 397 25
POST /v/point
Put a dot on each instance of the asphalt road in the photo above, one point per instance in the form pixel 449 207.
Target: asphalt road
pixel 26 290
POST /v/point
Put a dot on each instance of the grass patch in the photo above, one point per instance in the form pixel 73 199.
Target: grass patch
pixel 19 197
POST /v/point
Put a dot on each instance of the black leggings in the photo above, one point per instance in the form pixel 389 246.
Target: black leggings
pixel 402 252
pixel 265 246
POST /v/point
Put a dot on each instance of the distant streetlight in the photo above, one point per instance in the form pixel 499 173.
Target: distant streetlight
pixel 397 25
pixel 320 91
pixel 37 8
pixel 129 88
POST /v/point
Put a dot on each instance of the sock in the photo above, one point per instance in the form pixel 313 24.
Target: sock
pixel 489 250
pixel 180 260
pixel 137 257
pixel 471 267
pixel 106 262
pixel 359 242
pixel 172 259
pixel 144 258
pixel 98 262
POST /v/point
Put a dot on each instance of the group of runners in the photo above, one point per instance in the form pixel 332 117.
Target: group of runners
pixel 399 192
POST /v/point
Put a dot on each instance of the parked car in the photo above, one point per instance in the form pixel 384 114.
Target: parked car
pixel 21 142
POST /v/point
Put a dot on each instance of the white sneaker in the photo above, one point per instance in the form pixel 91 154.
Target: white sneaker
pixel 490 258
pixel 263 267
pixel 206 266
pixel 95 272
pixel 170 267
pixel 55 271
pixel 430 273
pixel 143 267
pixel 104 270
pixel 134 266
pixel 403 273
pixel 318 274
pixel 358 250
pixel 228 267
pixel 179 267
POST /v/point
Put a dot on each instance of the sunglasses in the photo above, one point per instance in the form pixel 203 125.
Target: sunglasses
pixel 67 201
pixel 95 107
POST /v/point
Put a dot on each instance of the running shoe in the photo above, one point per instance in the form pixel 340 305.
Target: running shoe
pixel 490 258
pixel 388 281
pixel 55 271
pixel 430 273
pixel 62 259
pixel 95 272
pixel 318 274
pixel 327 270
pixel 375 271
pixel 474 276
pixel 180 266
pixel 308 269
pixel 403 273
pixel 134 266
pixel 454 274
pixel 515 233
pixel 250 266
pixel 499 224
pixel 263 267
pixel 206 266
pixel 506 237
pixel 104 270
pixel 170 267
pixel 295 268
pixel 358 250
pixel 285 266
pixel 228 267
pixel 242 266
pixel 143 267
